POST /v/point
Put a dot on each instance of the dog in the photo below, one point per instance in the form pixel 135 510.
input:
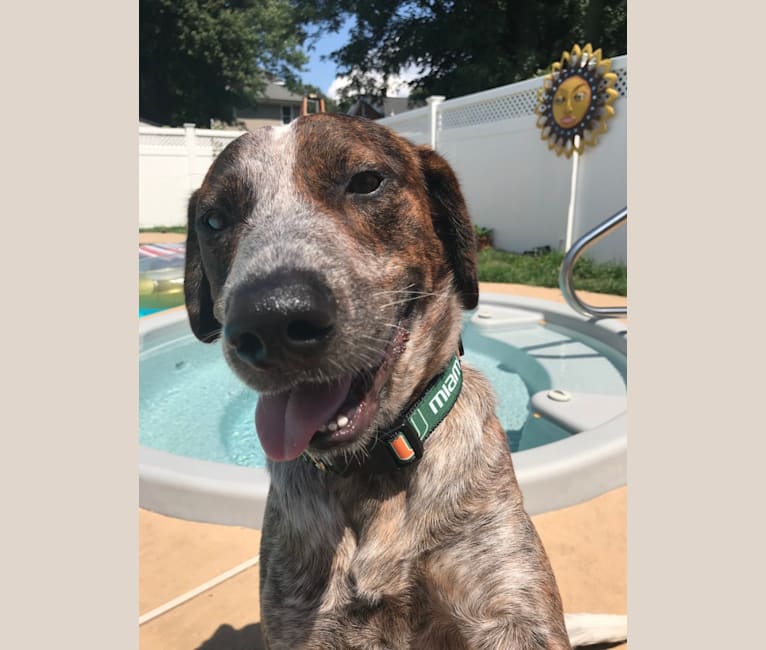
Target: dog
pixel 334 259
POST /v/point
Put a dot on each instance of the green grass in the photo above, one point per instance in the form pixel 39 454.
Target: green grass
pixel 175 229
pixel 543 271
pixel 536 270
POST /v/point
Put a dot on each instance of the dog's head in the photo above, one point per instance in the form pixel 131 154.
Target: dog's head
pixel 333 257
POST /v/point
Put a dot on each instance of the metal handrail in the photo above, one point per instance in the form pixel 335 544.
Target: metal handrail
pixel 567 269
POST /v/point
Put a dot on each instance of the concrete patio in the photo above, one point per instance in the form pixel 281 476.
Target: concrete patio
pixel 586 545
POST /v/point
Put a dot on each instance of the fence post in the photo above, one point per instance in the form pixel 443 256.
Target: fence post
pixel 433 102
pixel 190 140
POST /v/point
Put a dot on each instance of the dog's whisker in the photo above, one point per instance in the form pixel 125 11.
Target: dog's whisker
pixel 365 335
pixel 358 455
pixel 408 297
pixel 405 300
pixel 413 296
pixel 376 339
pixel 385 291
pixel 394 326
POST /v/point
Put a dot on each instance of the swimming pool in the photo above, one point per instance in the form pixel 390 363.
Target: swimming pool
pixel 560 381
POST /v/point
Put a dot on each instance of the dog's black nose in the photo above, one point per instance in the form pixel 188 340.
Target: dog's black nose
pixel 286 318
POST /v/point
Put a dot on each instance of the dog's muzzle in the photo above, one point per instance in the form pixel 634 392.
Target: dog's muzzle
pixel 283 320
pixel 276 325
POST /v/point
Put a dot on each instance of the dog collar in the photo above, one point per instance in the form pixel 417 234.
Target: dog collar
pixel 402 445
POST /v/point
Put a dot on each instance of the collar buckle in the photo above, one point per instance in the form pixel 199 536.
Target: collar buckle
pixel 404 444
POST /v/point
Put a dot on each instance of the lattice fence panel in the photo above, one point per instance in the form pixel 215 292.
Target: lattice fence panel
pixel 162 140
pixel 518 104
pixel 622 81
pixel 217 144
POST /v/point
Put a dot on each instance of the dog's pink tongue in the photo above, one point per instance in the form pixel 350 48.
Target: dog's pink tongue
pixel 286 422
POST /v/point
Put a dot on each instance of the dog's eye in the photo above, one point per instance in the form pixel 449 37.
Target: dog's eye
pixel 214 221
pixel 364 183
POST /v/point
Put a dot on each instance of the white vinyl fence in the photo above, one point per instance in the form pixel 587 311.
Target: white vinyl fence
pixel 512 182
pixel 171 165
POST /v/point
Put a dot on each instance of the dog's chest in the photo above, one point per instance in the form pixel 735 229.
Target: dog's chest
pixel 369 597
pixel 353 572
pixel 375 558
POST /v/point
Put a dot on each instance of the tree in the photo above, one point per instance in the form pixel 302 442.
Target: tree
pixel 462 46
pixel 199 59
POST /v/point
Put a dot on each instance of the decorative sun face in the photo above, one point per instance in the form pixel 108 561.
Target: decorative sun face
pixel 572 101
pixel 576 100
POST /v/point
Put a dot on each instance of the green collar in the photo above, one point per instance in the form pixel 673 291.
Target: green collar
pixel 402 445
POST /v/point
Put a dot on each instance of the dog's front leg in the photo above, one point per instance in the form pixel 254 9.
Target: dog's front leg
pixel 513 634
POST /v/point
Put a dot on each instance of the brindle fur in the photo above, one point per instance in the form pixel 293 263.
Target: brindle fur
pixel 441 554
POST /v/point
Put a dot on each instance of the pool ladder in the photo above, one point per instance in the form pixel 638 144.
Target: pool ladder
pixel 567 268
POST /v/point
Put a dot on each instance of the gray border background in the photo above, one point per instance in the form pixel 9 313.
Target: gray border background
pixel 69 112
pixel 69 553
pixel 695 241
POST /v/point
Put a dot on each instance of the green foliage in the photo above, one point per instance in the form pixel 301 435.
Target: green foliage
pixel 198 59
pixel 543 271
pixel 482 231
pixel 462 46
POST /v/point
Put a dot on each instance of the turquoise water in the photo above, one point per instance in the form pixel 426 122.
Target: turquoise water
pixel 191 404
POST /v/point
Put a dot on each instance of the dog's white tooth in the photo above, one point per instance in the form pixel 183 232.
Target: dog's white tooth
pixel 322 428
pixel 332 426
pixel 342 421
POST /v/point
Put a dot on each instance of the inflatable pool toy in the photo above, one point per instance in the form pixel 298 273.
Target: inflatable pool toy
pixel 160 276
pixel 161 289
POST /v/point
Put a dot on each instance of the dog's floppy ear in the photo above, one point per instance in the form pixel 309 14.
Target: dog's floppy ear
pixel 199 302
pixel 452 223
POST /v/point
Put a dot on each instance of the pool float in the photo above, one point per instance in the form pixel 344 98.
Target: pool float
pixel 160 276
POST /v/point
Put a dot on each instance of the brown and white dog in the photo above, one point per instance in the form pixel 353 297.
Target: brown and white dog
pixel 335 259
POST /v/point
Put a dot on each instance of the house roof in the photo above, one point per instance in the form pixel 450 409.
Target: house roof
pixel 278 93
pixel 385 108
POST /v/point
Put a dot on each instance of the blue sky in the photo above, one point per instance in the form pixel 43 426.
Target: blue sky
pixel 319 73
pixel 323 73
